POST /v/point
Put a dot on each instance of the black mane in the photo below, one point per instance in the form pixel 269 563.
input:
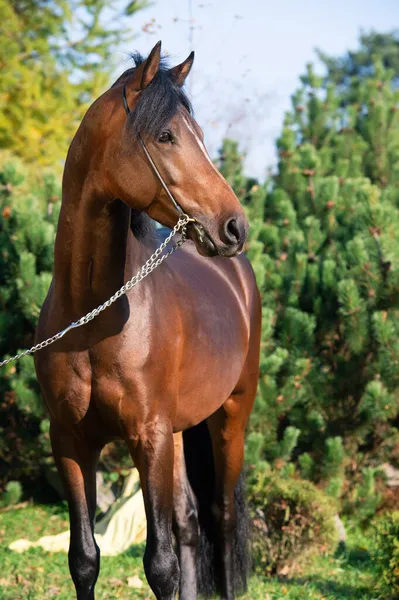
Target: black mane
pixel 158 102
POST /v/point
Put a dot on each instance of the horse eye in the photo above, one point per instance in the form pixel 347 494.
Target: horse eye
pixel 165 137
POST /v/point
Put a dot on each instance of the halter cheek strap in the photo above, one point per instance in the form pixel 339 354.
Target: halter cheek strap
pixel 151 161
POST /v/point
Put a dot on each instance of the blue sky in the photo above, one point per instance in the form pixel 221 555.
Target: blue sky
pixel 249 55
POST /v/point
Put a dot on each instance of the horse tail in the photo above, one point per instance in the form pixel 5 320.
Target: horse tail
pixel 201 474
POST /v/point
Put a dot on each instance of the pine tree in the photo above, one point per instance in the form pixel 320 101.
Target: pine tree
pixel 28 215
pixel 360 63
pixel 325 250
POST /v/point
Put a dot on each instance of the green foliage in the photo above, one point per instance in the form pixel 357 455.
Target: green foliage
pixel 28 213
pixel 44 574
pixel 366 496
pixel 386 553
pixel 292 519
pixel 12 494
pixel 288 443
pixel 360 63
pixel 325 252
pixel 332 467
pixel 55 59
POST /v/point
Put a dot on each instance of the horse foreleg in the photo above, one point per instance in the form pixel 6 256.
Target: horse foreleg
pixel 185 523
pixel 227 428
pixel 153 454
pixel 76 463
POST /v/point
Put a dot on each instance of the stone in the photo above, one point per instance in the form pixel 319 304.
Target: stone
pixel 134 582
pixel 392 475
pixel 105 495
pixel 340 529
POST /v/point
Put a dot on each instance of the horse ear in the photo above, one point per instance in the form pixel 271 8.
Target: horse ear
pixel 146 72
pixel 180 72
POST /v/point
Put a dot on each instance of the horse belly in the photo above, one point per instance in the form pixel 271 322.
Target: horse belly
pixel 210 375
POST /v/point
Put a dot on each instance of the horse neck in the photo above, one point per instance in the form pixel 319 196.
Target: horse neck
pixel 95 250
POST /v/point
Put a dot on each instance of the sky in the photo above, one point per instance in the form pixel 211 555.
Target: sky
pixel 249 55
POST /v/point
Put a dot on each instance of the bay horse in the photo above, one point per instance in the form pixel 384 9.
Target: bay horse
pixel 178 353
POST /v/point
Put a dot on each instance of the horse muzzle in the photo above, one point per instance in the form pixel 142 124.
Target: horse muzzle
pixel 228 241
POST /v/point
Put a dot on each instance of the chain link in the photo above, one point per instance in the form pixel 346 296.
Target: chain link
pixel 155 260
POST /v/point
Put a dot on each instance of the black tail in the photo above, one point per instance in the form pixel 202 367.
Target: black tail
pixel 201 474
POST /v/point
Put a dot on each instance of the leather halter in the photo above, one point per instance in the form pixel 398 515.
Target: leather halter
pixel 151 161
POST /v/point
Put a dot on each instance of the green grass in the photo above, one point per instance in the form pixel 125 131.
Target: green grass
pixel 38 575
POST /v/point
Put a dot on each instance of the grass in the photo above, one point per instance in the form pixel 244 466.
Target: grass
pixel 38 575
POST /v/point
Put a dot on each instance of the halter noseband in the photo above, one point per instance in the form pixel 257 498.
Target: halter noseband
pixel 151 161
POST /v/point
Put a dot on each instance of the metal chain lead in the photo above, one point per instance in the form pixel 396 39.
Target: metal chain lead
pixel 155 260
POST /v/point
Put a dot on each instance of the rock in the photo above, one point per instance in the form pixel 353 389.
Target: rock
pixel 391 474
pixel 134 582
pixel 284 571
pixel 340 529
pixel 115 582
pixel 105 495
pixel 20 545
pixel 53 591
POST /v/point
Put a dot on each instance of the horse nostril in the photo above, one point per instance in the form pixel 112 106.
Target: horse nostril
pixel 234 231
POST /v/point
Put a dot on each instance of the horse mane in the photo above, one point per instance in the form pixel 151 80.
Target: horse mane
pixel 158 102
pixel 156 106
